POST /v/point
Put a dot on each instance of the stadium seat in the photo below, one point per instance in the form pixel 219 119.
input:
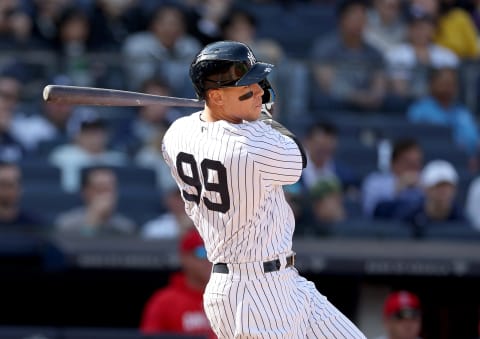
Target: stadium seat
pixel 115 333
pixel 141 205
pixel 28 332
pixel 39 176
pixel 49 203
pixel 456 231
pixel 98 333
pixel 294 26
pixel 133 176
pixel 366 228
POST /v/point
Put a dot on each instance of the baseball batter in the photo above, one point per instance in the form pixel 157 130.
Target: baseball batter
pixel 230 162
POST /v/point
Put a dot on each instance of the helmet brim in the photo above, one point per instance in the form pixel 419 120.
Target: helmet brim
pixel 257 73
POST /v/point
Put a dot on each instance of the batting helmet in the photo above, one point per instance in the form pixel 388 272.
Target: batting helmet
pixel 228 64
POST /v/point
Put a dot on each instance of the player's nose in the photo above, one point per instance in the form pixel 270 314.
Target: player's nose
pixel 257 89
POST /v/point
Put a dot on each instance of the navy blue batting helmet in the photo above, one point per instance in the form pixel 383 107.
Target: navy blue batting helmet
pixel 227 64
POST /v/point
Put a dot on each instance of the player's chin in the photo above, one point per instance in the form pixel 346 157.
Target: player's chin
pixel 256 112
pixel 252 116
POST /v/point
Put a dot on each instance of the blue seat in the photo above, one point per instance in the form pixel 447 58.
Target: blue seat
pixel 353 208
pixel 371 229
pixel 294 27
pixel 451 231
pixel 49 203
pixel 100 333
pixel 141 205
pixel 133 176
pixel 362 159
pixel 116 333
pixel 39 175
pixel 23 332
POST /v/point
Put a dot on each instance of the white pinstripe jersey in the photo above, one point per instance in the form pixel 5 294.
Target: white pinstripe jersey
pixel 231 178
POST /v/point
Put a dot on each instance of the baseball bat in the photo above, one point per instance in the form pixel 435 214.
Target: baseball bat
pixel 76 95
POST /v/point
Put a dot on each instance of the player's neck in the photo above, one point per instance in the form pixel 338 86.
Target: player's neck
pixel 212 115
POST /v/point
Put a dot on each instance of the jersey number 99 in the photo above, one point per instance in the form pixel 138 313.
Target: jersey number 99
pixel 193 180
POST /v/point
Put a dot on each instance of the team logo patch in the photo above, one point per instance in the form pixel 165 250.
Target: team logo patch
pixel 251 58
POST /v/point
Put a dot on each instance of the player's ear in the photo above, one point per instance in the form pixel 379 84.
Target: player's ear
pixel 215 97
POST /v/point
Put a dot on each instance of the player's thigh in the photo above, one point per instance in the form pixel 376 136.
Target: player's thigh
pixel 218 305
pixel 272 308
pixel 268 307
pixel 325 320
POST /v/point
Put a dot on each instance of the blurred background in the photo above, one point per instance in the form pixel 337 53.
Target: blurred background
pixel 384 94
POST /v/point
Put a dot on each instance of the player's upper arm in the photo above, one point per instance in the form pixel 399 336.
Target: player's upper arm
pixel 276 156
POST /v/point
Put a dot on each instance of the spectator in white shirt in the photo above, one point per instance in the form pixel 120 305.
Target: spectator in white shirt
pixel 88 148
pixel 409 62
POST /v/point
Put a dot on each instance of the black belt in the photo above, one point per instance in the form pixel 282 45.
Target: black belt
pixel 268 266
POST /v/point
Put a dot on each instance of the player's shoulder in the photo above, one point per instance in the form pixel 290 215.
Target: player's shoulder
pixel 252 130
pixel 182 123
pixel 187 119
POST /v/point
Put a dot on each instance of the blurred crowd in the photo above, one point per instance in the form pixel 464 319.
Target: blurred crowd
pixel 353 86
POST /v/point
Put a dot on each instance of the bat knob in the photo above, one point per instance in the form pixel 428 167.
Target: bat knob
pixel 46 92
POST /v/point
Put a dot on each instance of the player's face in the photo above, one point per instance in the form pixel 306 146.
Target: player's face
pixel 236 108
pixel 408 328
pixel 196 266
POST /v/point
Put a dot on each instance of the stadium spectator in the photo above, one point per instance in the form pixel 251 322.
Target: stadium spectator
pixel 442 107
pixel 150 156
pixel 475 13
pixel 321 142
pixel 48 126
pixel 241 25
pixel 402 316
pixel 456 30
pixel 45 16
pixel 178 307
pixel 11 149
pixel 325 206
pixel 399 183
pixel 455 27
pixel 427 6
pixel 98 215
pixel 112 21
pixel 12 215
pixel 171 224
pixel 348 72
pixel 15 26
pixel 149 121
pixel 439 180
pixel 409 61
pixel 165 42
pixel 206 17
pixel 472 203
pixel 13 76
pixel 385 25
pixel 89 147
pixel 72 43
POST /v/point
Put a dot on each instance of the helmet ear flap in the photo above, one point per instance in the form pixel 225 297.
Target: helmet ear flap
pixel 268 92
pixel 196 78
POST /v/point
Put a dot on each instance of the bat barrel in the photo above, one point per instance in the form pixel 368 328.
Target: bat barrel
pixel 76 95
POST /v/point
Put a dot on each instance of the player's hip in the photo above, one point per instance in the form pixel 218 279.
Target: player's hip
pixel 255 270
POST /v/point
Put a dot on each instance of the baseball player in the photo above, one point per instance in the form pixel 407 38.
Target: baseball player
pixel 230 161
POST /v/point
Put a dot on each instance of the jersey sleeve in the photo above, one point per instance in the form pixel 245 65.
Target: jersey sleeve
pixel 276 156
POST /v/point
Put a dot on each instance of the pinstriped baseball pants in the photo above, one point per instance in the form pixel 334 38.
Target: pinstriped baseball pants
pixel 247 303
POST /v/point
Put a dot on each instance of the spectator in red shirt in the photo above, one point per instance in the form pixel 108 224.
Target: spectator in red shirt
pixel 178 307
